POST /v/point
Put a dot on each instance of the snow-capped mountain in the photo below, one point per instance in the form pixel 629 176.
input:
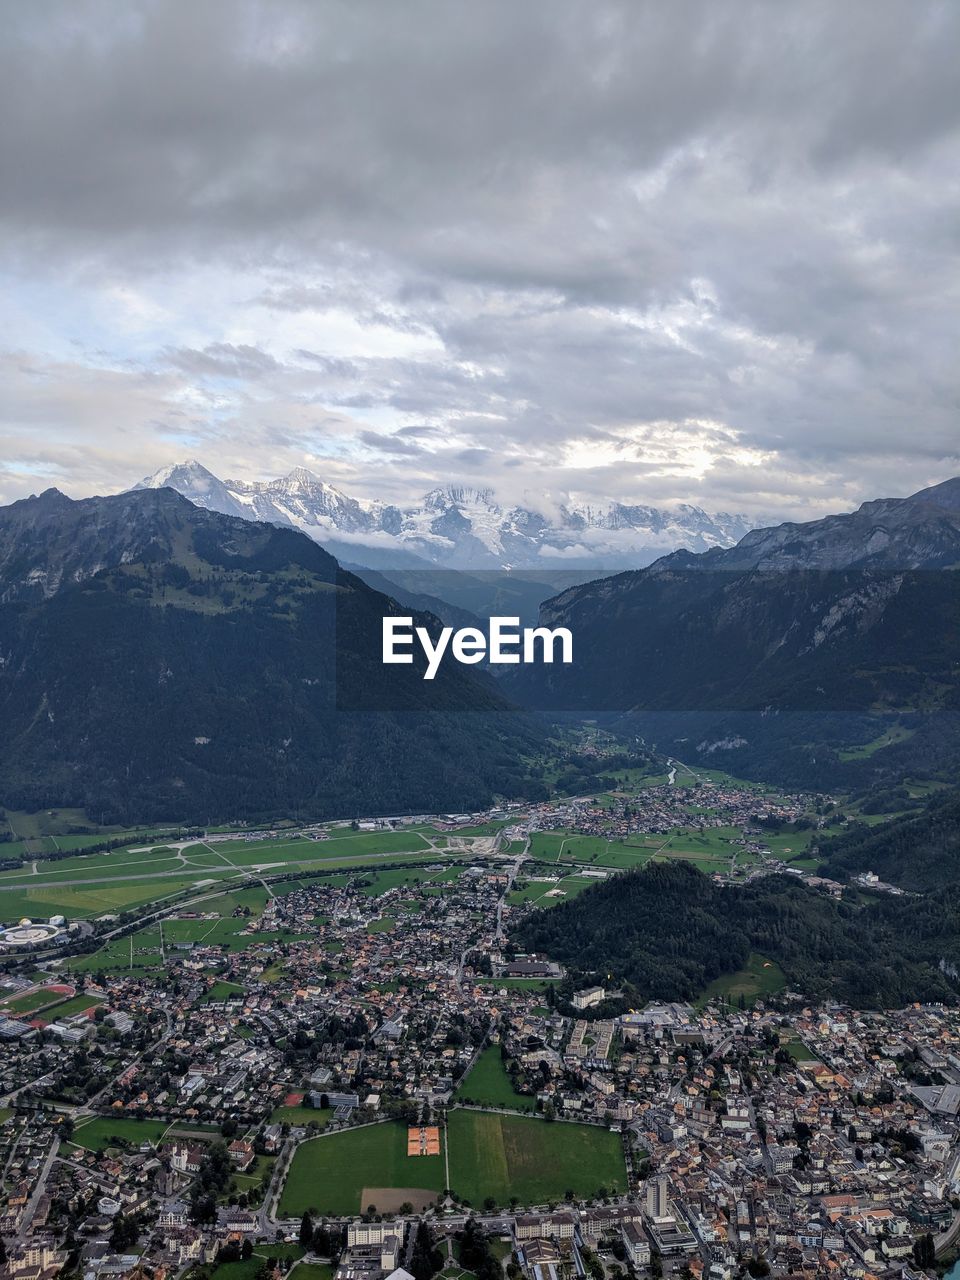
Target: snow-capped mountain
pixel 458 527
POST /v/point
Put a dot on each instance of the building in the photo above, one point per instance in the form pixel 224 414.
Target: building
pixel 658 1198
pixel 636 1244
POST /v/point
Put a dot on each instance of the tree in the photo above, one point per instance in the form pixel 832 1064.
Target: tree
pixel 427 1258
pixel 125 1232
pixel 306 1231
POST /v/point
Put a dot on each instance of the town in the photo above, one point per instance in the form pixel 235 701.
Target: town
pixel 330 1070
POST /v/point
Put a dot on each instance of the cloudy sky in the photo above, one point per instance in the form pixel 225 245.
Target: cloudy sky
pixel 663 252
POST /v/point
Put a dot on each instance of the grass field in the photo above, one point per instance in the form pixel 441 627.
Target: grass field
pixel 760 977
pixel 311 1271
pixel 331 1173
pixel 553 846
pixel 149 948
pixel 223 991
pixel 78 1004
pixel 547 894
pixel 127 878
pixel 896 733
pixel 96 1134
pixel 301 1116
pixel 33 1000
pixel 490 1155
pixel 798 1051
pixel 489 1083
pixel 519 984
pixel 503 1156
pixel 250 1268
pixel 82 901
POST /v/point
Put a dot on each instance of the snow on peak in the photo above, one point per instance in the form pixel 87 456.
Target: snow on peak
pixel 461 526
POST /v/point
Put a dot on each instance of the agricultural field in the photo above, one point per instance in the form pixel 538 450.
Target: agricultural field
pixel 343 1173
pixel 536 1161
pixel 489 1084
pixel 556 846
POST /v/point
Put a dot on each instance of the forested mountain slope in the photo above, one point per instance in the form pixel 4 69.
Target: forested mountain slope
pixel 667 931
pixel 162 661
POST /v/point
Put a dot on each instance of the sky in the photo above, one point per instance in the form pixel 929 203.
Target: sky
pixel 653 252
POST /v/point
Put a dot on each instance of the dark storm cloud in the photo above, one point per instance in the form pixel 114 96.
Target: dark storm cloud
pixel 702 251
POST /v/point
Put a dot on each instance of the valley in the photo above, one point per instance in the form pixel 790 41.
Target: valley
pixel 342 962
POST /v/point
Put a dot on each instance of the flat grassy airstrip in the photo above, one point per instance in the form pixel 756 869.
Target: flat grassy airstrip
pixel 92 885
pixel 490 1155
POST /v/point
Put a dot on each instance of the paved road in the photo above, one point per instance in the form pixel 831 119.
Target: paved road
pixel 40 1186
pixel 511 876
pixel 24 1087
pixel 89 1107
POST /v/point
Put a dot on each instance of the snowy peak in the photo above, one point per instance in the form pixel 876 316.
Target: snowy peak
pixel 299 477
pixel 459 526
pixel 194 481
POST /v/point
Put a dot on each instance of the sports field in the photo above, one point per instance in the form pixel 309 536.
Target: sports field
pixel 503 1156
pixel 490 1155
pixel 332 1173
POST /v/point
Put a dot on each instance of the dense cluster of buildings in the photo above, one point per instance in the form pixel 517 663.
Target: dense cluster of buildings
pixel 798 1140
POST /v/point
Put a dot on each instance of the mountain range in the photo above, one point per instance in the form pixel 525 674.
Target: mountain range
pixel 457 527
pixel 162 659
pixel 773 658
pixel 159 661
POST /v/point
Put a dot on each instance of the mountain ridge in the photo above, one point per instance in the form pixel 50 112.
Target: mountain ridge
pixel 773 658
pixel 456 526
pixel 159 660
